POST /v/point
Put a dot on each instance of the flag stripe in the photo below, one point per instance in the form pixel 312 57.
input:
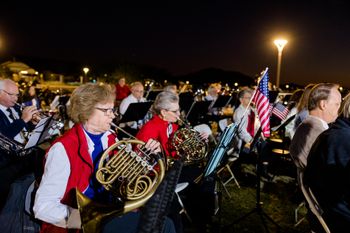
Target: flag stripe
pixel 261 99
pixel 280 111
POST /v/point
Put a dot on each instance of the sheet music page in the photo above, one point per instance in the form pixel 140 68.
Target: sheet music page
pixel 34 136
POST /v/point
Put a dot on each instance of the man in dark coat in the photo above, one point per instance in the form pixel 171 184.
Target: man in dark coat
pixel 328 171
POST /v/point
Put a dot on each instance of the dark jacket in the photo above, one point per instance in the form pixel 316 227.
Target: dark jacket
pixel 10 130
pixel 328 174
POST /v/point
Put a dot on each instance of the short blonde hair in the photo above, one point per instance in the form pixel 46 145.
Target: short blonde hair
pixel 135 84
pixel 345 107
pixel 84 99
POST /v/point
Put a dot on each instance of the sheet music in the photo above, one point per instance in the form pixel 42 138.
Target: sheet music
pixel 34 136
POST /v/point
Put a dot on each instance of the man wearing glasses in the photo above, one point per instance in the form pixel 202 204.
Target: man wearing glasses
pixel 12 124
pixel 136 96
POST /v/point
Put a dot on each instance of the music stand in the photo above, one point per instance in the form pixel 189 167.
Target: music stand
pixel 220 149
pixel 136 111
pixel 284 124
pixel 222 101
pixel 214 163
pixel 273 96
pixel 41 132
pixel 185 101
pixel 258 205
pixel 152 95
pixel 198 111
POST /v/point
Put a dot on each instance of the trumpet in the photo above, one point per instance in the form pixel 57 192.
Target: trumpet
pixel 37 116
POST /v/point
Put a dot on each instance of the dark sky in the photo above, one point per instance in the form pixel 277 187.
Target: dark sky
pixel 186 37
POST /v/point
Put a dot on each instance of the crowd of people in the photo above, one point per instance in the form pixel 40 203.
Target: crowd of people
pixel 72 160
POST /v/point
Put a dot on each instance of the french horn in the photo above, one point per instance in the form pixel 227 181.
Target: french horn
pixel 189 145
pixel 130 173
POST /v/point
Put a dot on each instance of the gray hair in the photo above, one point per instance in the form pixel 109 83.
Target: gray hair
pixel 244 91
pixel 5 82
pixel 320 92
pixel 163 100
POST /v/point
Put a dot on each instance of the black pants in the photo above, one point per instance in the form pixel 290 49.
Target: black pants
pixel 198 198
pixel 13 167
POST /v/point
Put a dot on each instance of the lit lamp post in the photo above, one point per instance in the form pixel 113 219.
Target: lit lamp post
pixel 86 70
pixel 280 43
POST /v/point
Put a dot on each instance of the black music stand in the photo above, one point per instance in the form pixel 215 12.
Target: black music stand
pixel 198 111
pixel 222 101
pixel 152 95
pixel 214 163
pixel 272 96
pixel 42 132
pixel 258 145
pixel 136 112
pixel 185 101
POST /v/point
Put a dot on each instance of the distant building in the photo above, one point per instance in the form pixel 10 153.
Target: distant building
pixel 18 71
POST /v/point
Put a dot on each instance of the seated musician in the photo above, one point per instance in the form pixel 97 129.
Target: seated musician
pixel 171 87
pixel 122 90
pixel 31 98
pixel 136 96
pixel 246 117
pixel 14 123
pixel 212 95
pixel 73 159
pixel 162 127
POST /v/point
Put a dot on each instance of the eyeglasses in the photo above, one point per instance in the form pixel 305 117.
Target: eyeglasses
pixel 107 111
pixel 10 94
pixel 173 111
pixel 138 91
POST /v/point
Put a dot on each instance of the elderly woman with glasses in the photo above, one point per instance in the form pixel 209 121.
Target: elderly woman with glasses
pixel 72 161
pixel 162 126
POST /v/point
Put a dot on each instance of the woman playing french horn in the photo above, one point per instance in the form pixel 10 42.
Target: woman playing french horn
pixel 163 127
pixel 163 124
pixel 73 159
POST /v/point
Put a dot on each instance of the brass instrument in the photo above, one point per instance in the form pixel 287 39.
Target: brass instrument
pixel 55 127
pixel 128 172
pixel 189 145
pixel 37 116
pixel 11 146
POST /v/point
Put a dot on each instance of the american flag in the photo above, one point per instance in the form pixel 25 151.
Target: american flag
pixel 261 100
pixel 280 111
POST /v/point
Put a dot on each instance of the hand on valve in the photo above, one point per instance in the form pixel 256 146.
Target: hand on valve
pixel 30 113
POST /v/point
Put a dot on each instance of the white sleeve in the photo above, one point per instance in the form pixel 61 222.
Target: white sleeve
pixel 47 205
pixel 242 120
pixel 124 106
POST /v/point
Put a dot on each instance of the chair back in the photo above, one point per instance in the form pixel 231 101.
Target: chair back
pixel 313 204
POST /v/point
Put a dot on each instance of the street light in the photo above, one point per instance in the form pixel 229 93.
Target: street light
pixel 280 43
pixel 86 70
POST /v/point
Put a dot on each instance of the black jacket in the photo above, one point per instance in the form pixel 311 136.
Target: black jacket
pixel 328 173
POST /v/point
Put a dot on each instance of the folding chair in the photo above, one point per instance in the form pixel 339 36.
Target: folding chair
pixel 179 188
pixel 312 201
pixel 227 168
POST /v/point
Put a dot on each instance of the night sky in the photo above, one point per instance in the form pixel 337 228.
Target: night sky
pixel 186 37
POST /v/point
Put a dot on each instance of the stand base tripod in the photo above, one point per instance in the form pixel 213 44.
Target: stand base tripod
pixel 261 149
pixel 263 217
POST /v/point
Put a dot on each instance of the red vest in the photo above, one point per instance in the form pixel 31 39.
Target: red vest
pixel 75 144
